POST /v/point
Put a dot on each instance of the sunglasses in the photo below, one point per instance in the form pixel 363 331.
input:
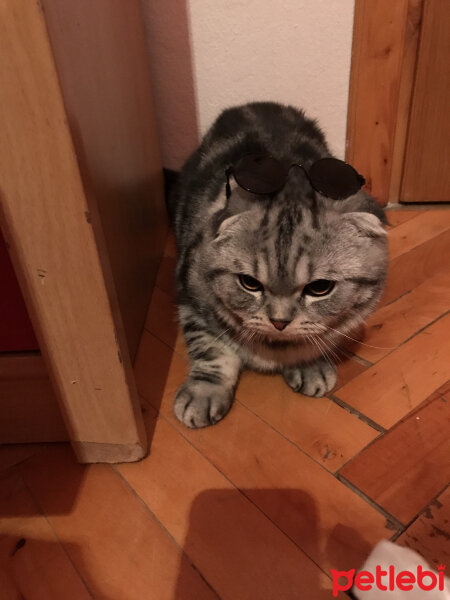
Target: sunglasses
pixel 263 174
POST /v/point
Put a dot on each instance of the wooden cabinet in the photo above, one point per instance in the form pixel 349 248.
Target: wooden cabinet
pixel 82 212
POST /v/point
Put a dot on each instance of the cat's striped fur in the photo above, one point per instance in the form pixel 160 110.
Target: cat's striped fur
pixel 285 242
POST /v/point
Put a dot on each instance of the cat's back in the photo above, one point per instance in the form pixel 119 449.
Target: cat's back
pixel 270 122
pixel 257 127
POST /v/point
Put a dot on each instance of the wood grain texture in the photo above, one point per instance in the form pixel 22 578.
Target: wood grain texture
pixel 100 55
pixel 125 551
pixel 379 38
pixel 325 431
pixel 410 270
pixel 426 176
pixel 397 217
pixel 407 76
pixel 52 244
pixel 429 534
pixel 296 494
pixel 204 511
pixel 279 478
pixel 411 234
pixel 398 383
pixel 152 529
pixel 407 467
pixel 166 275
pixel 29 410
pixel 41 569
pixel 162 318
pixel 391 325
pixel 158 369
pixel 13 454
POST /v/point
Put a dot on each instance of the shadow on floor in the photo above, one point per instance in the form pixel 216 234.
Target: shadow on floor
pixel 42 569
pixel 240 553
pixel 16 500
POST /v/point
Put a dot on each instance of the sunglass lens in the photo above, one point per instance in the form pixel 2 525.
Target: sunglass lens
pixel 334 178
pixel 260 174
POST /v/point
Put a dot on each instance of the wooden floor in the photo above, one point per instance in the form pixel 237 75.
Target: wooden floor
pixel 264 504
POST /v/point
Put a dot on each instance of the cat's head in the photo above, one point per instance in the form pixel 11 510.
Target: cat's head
pixel 283 270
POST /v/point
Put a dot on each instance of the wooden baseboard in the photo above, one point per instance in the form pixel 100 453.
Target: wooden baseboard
pixel 29 409
pixel 92 452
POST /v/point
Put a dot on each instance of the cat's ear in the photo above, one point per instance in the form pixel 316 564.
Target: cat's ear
pixel 362 203
pixel 232 225
pixel 367 224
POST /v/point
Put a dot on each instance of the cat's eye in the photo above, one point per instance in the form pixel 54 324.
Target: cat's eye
pixel 250 283
pixel 320 287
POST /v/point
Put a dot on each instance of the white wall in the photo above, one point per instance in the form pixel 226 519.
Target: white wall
pixel 291 51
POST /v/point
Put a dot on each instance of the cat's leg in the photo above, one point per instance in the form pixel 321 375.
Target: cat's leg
pixel 207 394
pixel 312 379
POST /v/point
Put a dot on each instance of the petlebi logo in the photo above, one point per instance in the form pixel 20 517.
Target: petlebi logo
pixel 388 580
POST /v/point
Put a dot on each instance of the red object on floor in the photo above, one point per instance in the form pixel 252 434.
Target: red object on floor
pixel 16 331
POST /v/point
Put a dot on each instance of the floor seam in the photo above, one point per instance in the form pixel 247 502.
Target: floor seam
pixel 281 434
pixel 371 443
pixel 60 542
pixel 162 341
pixel 444 314
pixel 390 518
pixel 238 489
pixel 398 423
pixel 421 512
pixel 163 527
pixel 397 298
pixel 422 206
pixel 360 360
pixel 403 342
pixel 361 416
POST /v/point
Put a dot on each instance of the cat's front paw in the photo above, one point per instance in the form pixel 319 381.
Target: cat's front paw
pixel 315 379
pixel 200 404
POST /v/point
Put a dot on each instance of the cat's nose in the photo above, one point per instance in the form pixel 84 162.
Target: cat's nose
pixel 278 324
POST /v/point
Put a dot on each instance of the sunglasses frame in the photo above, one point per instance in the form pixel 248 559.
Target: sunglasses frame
pixel 229 171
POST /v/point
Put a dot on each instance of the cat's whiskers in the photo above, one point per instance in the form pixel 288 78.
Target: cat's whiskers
pixel 316 344
pixel 247 336
pixel 326 350
pixel 323 351
pixel 311 339
pixel 358 341
pixel 339 353
pixel 339 350
pixel 217 338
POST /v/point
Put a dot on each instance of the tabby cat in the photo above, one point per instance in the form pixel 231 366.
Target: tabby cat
pixel 274 281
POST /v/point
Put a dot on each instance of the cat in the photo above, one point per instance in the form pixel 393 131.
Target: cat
pixel 271 282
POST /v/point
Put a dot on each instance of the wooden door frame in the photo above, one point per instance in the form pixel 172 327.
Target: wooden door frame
pixel 384 54
pixel 50 231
